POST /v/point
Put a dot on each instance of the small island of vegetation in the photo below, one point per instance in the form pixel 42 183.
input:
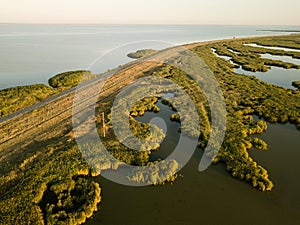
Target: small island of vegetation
pixel 141 53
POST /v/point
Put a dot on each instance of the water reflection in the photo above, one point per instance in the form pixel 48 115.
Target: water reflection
pixel 172 135
pixel 235 52
pixel 288 59
pixel 276 75
pixel 227 58
pixel 273 48
pixel 282 162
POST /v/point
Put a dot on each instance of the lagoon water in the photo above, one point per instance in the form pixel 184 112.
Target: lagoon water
pixel 278 76
pixel 31 54
pixel 211 197
pixel 274 48
pixel 275 75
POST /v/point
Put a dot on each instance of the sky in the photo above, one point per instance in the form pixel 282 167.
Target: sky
pixel 224 12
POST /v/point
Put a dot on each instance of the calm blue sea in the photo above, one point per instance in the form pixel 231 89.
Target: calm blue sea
pixel 31 54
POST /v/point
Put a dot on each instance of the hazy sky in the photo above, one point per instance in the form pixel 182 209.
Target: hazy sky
pixel 250 12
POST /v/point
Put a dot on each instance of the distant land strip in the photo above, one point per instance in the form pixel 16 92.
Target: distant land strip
pixel 289 31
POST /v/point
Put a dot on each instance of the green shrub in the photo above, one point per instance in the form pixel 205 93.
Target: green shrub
pixel 17 98
pixel 70 79
pixel 141 53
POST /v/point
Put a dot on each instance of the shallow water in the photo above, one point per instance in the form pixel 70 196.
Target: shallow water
pixel 235 52
pixel 172 135
pixel 213 196
pixel 281 58
pixel 227 58
pixel 274 48
pixel 276 75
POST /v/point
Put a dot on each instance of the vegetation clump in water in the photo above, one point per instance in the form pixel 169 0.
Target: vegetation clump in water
pixel 296 84
pixel 70 201
pixel 141 53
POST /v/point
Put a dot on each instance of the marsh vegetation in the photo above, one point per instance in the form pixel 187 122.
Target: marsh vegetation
pixel 17 98
pixel 247 96
pixel 51 183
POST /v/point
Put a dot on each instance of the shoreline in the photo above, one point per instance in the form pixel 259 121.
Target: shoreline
pixel 180 43
pixel 288 31
pixel 126 66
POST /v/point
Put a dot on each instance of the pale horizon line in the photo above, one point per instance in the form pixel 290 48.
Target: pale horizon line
pixel 145 24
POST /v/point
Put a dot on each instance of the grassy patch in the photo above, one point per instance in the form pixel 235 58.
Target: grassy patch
pixel 55 187
pixel 14 99
pixel 70 79
pixel 17 98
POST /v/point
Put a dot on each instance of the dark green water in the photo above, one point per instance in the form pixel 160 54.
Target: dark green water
pixel 211 197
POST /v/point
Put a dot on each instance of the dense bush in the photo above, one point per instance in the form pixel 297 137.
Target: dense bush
pixel 54 188
pixel 70 79
pixel 14 99
pixel 70 201
pixel 156 173
pixel 296 84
